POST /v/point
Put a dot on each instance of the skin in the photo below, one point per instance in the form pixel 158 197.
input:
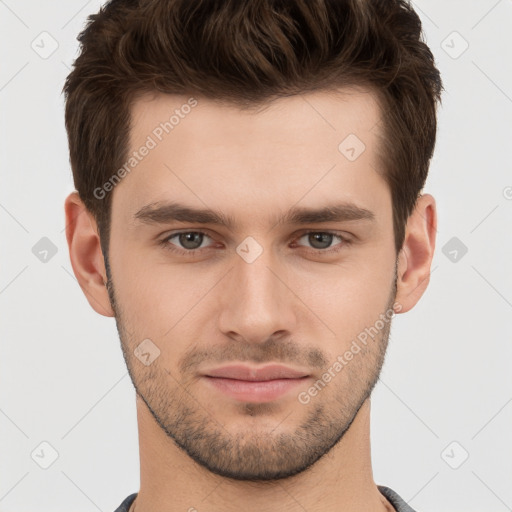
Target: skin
pixel 199 448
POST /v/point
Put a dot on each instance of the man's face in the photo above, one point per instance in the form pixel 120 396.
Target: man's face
pixel 266 290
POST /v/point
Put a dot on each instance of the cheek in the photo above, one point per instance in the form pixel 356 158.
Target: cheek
pixel 351 297
pixel 157 300
pixel 138 290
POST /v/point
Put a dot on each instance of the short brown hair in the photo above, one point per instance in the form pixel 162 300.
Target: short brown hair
pixel 247 53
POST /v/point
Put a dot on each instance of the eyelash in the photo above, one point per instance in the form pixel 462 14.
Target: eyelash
pixel 167 245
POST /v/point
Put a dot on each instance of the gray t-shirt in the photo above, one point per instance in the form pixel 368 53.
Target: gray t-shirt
pixel 395 500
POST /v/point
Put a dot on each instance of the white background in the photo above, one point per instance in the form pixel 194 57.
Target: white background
pixel 447 375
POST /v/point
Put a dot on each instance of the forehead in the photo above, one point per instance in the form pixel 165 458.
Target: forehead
pixel 312 147
pixel 302 117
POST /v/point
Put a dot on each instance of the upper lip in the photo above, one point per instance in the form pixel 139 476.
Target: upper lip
pixel 269 372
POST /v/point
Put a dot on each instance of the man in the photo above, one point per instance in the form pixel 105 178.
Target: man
pixel 249 209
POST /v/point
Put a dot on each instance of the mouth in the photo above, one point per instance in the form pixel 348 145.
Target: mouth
pixel 256 385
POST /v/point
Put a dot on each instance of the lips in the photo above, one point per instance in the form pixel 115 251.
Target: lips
pixel 246 373
pixel 256 385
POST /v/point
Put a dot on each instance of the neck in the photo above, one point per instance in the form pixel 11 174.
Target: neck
pixel 341 480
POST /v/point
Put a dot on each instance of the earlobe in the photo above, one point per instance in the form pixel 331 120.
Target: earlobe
pixel 86 255
pixel 415 257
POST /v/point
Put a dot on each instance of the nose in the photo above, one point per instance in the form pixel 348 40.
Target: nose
pixel 256 301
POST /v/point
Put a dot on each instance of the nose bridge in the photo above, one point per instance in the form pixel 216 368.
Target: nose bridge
pixel 256 303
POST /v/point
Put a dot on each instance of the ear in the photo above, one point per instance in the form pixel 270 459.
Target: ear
pixel 415 257
pixel 86 255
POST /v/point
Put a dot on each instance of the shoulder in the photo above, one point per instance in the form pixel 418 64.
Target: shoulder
pixel 125 505
pixel 395 499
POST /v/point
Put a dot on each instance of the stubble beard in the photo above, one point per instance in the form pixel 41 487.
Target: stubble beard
pixel 251 455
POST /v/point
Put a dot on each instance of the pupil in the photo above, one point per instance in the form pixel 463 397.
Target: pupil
pixel 188 238
pixel 317 236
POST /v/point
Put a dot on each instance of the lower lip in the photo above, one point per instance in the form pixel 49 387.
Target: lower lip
pixel 254 391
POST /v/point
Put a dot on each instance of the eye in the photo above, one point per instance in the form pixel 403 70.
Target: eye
pixel 191 241
pixel 321 240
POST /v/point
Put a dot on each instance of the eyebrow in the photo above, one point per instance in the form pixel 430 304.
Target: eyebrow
pixel 166 212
